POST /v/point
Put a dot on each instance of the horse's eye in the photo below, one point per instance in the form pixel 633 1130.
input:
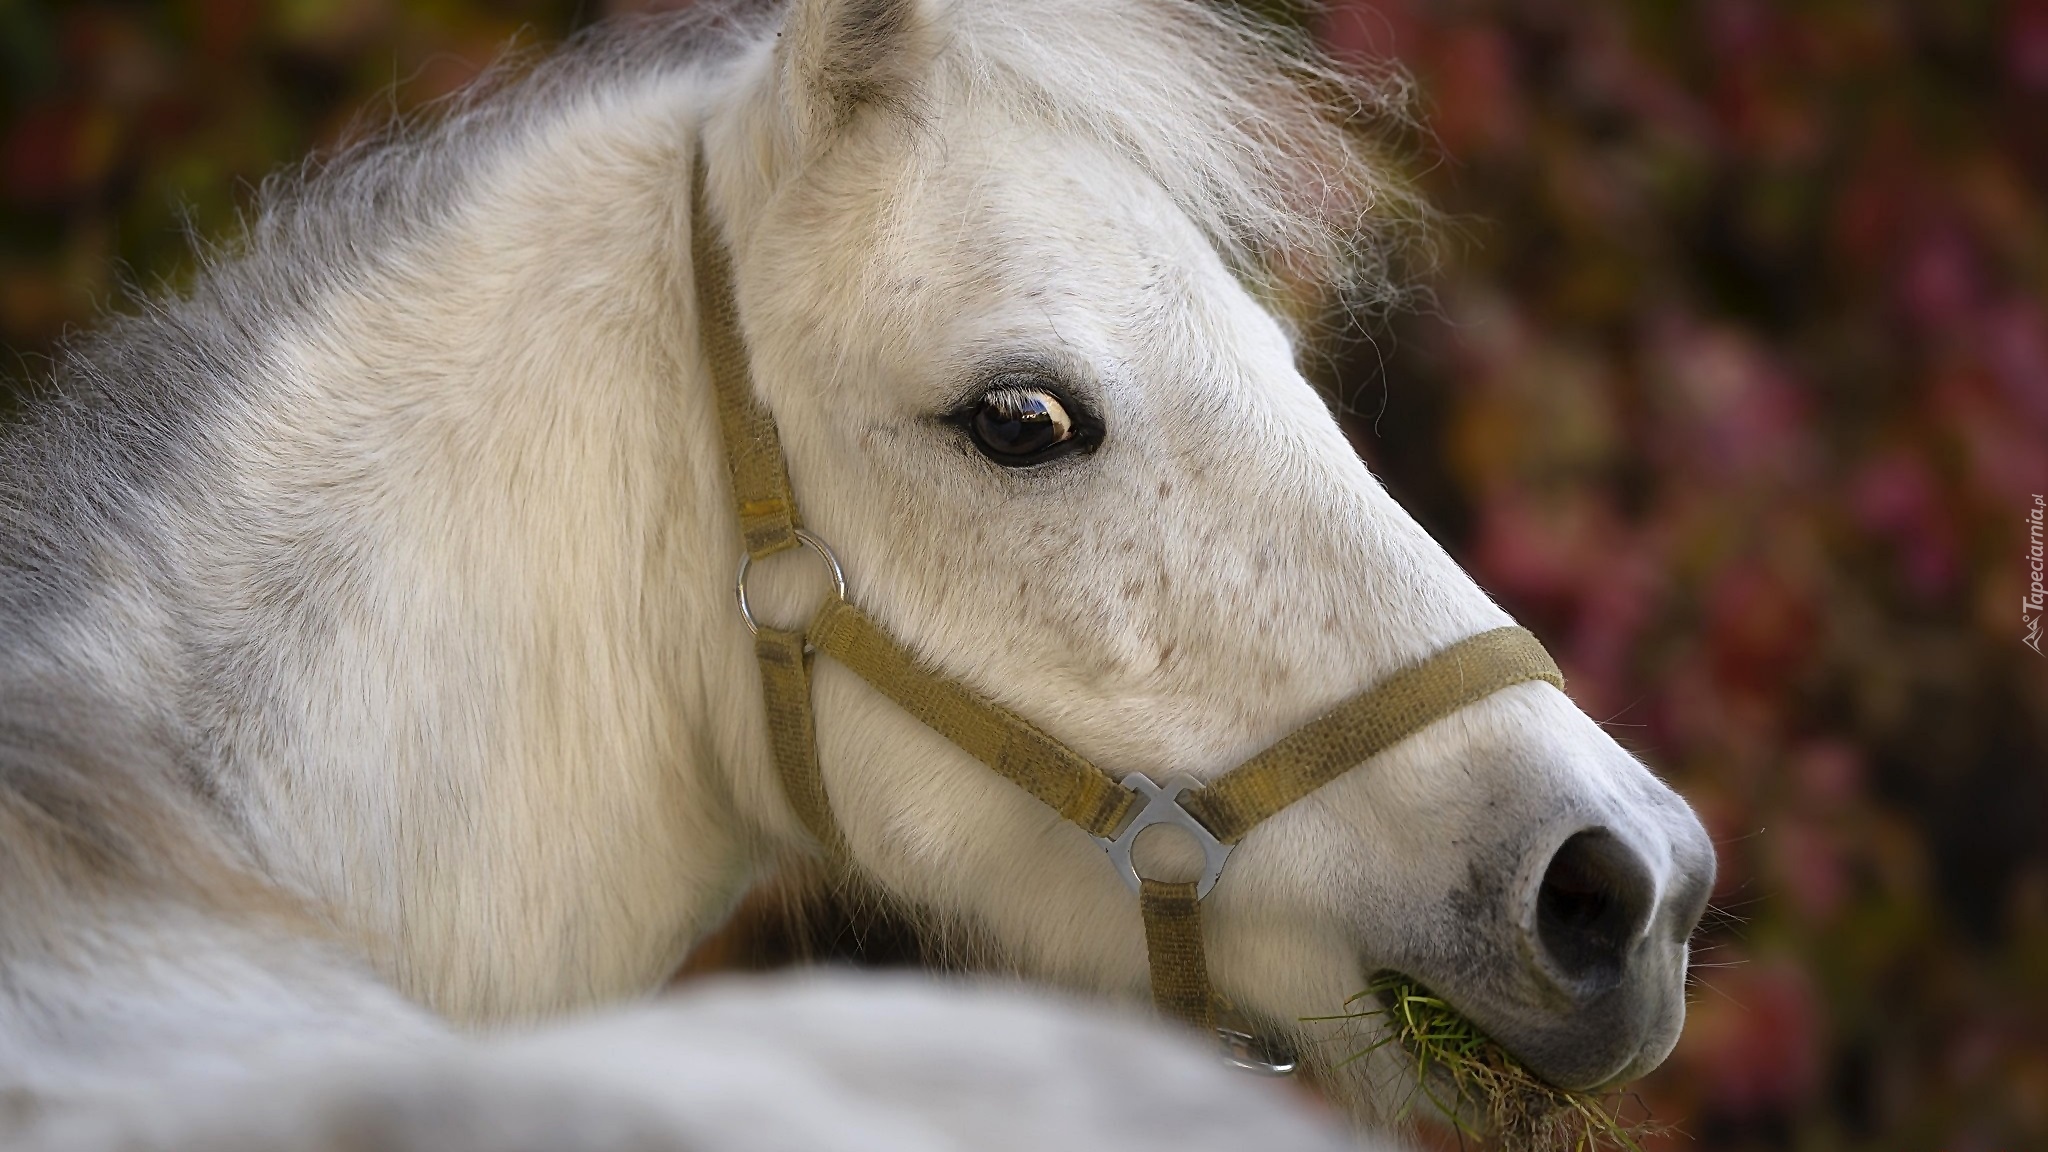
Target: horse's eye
pixel 1019 425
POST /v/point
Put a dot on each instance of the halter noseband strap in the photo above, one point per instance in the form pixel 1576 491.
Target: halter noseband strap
pixel 1113 812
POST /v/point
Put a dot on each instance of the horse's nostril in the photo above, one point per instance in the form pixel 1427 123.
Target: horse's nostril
pixel 1596 897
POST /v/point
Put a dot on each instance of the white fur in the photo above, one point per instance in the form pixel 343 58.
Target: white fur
pixel 456 589
pixel 844 1063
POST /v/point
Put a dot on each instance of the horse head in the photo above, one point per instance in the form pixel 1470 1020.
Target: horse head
pixel 1006 282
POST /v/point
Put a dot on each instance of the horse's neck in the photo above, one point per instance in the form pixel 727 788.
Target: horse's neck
pixel 472 666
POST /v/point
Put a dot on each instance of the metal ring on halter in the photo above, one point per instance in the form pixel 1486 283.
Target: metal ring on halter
pixel 1162 806
pixel 816 545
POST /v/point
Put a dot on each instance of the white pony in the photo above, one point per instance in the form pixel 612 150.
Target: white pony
pixel 368 662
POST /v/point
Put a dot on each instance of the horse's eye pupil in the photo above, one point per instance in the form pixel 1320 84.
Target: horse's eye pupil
pixel 1020 425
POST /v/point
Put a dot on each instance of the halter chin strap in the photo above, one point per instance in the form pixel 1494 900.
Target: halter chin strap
pixel 1217 814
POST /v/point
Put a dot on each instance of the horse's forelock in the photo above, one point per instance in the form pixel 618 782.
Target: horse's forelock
pixel 1268 145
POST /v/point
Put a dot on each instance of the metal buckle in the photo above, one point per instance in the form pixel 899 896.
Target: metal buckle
pixel 1252 1053
pixel 1162 806
pixel 816 545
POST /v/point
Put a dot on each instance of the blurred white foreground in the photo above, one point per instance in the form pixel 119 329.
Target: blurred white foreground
pixel 820 1062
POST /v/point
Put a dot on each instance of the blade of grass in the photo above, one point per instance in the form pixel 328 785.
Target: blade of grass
pixel 1516 1111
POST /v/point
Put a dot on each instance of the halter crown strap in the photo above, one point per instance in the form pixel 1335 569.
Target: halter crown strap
pixel 767 518
pixel 753 450
pixel 1065 781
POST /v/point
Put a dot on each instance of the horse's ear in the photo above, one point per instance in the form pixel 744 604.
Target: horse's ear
pixel 837 57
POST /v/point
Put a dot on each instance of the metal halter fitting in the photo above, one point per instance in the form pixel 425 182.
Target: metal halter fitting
pixel 824 551
pixel 1162 806
pixel 1114 812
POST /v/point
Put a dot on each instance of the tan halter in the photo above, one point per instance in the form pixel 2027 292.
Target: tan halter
pixel 1217 814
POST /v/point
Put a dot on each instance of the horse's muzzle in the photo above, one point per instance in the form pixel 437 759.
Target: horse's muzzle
pixel 1593 989
pixel 1610 936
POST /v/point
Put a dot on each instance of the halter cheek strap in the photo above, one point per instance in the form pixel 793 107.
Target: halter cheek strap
pixel 1217 814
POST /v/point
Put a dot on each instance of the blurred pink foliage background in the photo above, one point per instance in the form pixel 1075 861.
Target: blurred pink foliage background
pixel 1734 387
pixel 1737 391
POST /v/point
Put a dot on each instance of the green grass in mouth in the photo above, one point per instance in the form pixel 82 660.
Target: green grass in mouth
pixel 1496 1101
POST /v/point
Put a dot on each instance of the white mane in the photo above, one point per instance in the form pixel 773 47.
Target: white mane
pixel 1274 150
